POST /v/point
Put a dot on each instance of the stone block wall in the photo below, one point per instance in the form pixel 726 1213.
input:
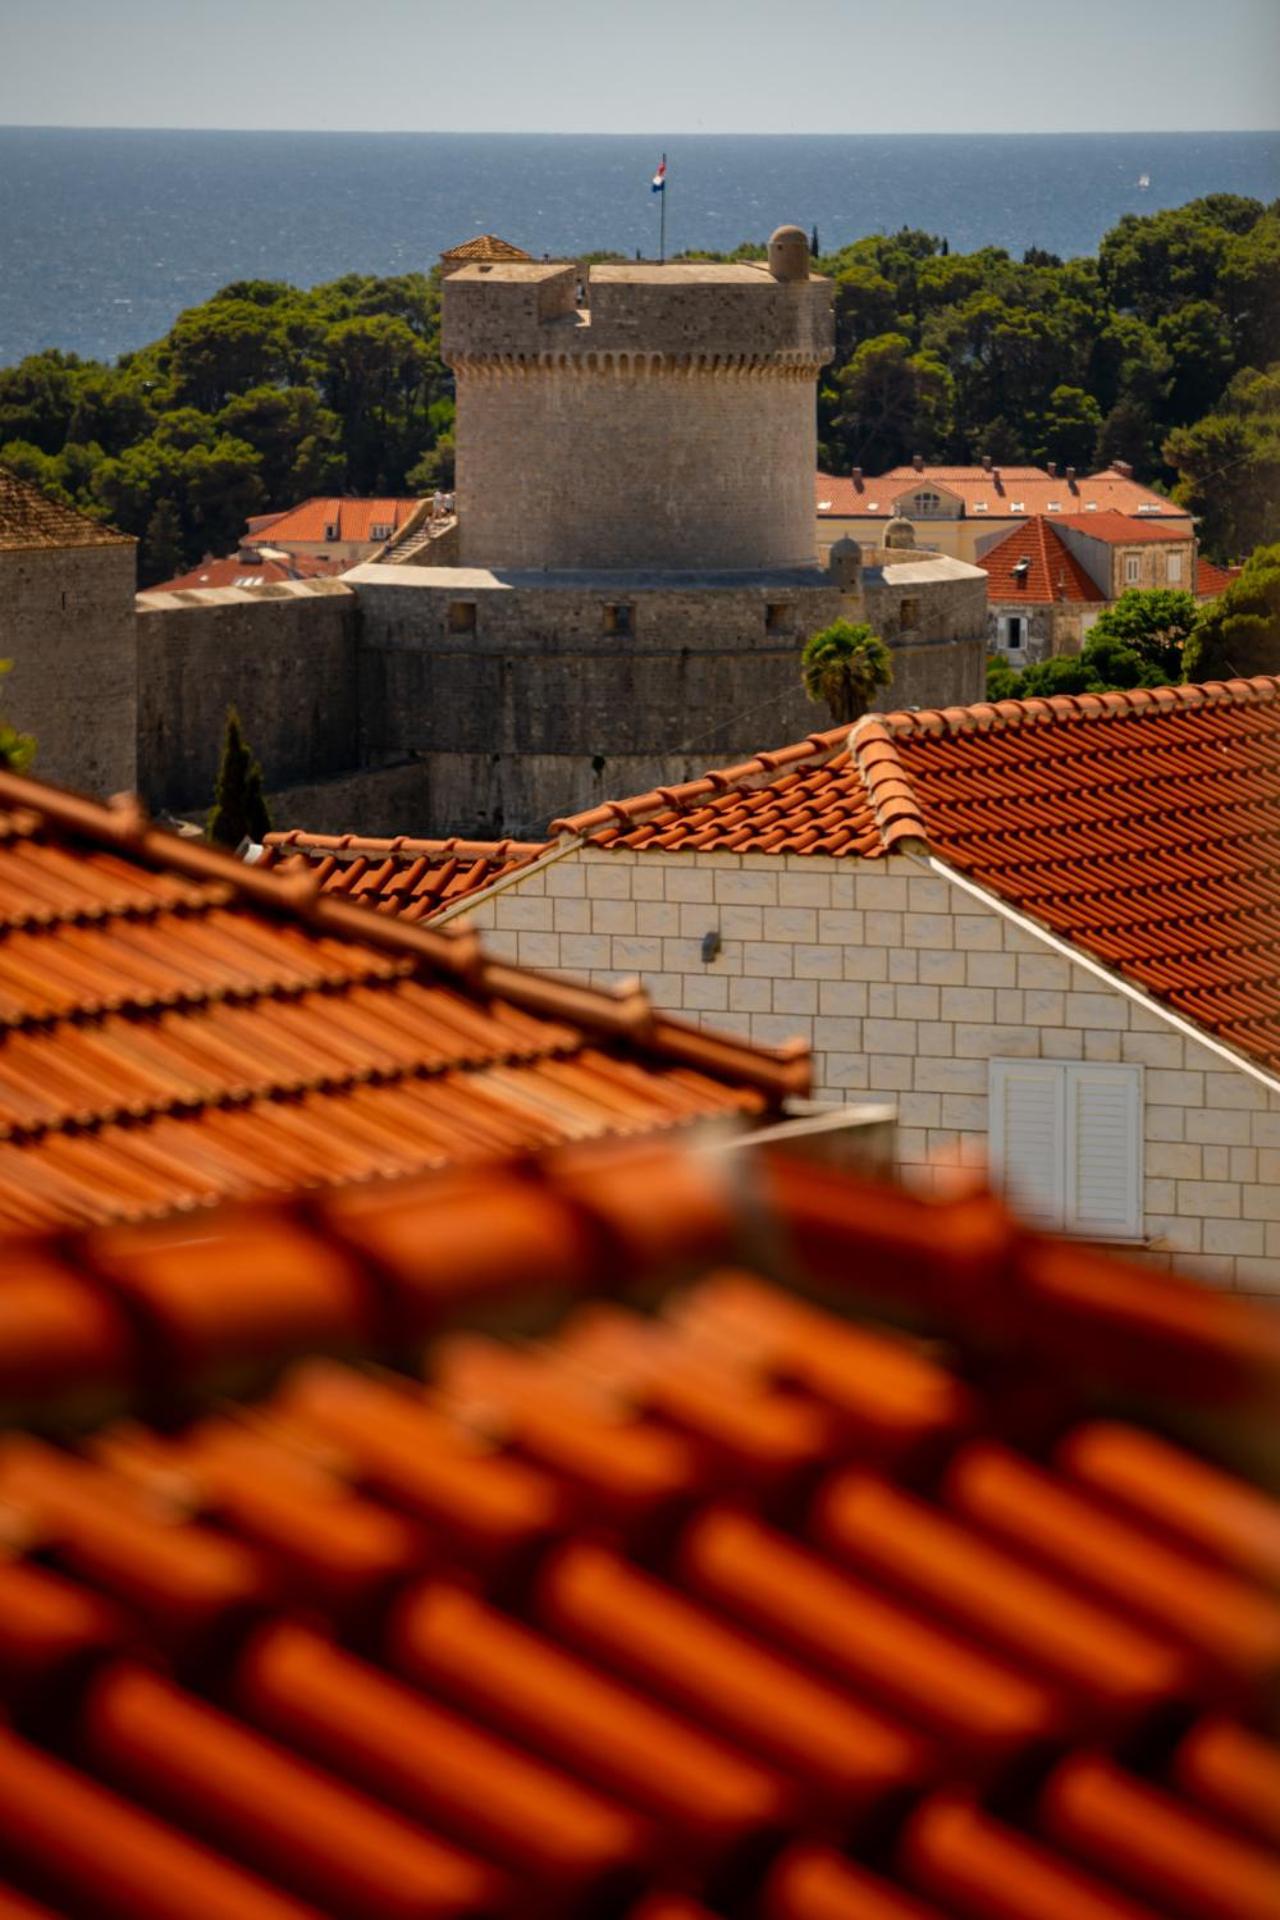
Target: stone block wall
pixel 67 623
pixel 284 656
pixel 906 987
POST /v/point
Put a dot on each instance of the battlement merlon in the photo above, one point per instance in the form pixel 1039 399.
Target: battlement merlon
pixel 732 315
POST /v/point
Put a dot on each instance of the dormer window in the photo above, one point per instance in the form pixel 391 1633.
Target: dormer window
pixel 926 503
pixel 1053 506
pixel 980 506
pixel 1017 506
pixel 1091 506
pixel 380 530
pixel 331 530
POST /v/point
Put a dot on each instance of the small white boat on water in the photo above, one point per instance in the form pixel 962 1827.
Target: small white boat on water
pixel 1144 181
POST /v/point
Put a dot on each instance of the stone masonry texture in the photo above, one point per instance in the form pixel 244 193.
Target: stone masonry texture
pixel 906 987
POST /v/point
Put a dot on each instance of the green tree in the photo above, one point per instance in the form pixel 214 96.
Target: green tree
pixel 1069 428
pixel 1228 465
pixel 889 403
pixel 17 750
pixel 1238 634
pixel 845 666
pixel 1155 623
pixel 239 809
pixel 221 348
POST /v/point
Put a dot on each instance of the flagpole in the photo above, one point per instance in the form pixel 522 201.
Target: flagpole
pixel 662 217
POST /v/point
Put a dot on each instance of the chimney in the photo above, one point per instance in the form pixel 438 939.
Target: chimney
pixel 856 477
pixel 917 461
pixel 1071 480
pixel 986 463
pixel 1123 468
pixel 996 481
pixel 1052 469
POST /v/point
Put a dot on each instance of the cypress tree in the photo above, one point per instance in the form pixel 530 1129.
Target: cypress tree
pixel 162 555
pixel 814 248
pixel 239 809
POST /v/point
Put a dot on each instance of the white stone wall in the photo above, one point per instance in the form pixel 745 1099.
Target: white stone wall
pixel 906 987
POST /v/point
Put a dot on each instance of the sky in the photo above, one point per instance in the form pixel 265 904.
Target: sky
pixel 644 66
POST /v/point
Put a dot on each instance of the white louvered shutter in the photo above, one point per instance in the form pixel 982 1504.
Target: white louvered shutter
pixel 1027 1137
pixel 1104 1150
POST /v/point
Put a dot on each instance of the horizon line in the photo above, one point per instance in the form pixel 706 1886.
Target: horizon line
pixel 643 133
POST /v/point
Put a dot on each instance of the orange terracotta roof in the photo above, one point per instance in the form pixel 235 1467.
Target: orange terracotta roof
pixel 707 1594
pixel 1019 490
pixel 28 518
pixel 1144 826
pixel 1211 579
pixel 1051 573
pixel 414 878
pixel 238 570
pixel 177 1027
pixel 1122 529
pixel 354 520
pixel 486 246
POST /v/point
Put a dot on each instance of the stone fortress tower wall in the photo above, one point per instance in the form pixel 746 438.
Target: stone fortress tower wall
pixel 666 421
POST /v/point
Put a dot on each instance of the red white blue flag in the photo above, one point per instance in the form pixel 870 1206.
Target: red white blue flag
pixel 660 177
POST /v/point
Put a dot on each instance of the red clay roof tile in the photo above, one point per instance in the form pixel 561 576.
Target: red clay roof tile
pixel 1051 573
pixel 507 1644
pixel 416 879
pixel 1142 826
pixel 178 1027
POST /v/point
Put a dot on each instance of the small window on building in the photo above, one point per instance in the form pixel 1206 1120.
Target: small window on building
pixel 1053 506
pixel 926 503
pixel 1174 574
pixel 380 531
pixel 908 614
pixel 619 619
pixel 1066 1140
pixel 1132 569
pixel 777 617
pixel 331 530
pixel 980 506
pixel 462 616
pixel 1013 630
pixel 1017 506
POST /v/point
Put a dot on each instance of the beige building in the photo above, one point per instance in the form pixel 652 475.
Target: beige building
pixel 1042 930
pixel 960 510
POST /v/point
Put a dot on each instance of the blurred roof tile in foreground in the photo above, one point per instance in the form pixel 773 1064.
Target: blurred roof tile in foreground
pixel 475 1600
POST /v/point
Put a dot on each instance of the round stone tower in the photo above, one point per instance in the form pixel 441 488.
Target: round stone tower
pixel 657 418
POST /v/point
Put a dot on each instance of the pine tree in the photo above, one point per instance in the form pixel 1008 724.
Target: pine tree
pixel 162 555
pixel 239 810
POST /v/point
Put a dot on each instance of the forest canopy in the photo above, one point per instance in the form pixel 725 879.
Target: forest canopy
pixel 1164 351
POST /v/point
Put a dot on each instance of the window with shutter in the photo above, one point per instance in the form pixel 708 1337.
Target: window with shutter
pixel 1104 1148
pixel 1066 1144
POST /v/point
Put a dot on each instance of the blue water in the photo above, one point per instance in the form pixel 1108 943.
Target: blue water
pixel 106 236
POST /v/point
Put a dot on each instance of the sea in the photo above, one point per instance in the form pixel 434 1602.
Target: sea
pixel 105 236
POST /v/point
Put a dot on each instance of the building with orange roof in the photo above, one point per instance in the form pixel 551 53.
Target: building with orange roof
pixel 332 528
pixel 1047 930
pixel 248 568
pixel 959 510
pixel 632 1534
pixel 1041 600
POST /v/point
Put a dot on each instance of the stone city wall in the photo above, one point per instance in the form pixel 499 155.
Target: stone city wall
pixel 284 656
pixel 67 623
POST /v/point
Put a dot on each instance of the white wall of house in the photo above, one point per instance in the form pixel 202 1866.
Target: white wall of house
pixel 908 988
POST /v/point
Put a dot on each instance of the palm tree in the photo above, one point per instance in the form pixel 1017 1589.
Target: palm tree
pixel 845 665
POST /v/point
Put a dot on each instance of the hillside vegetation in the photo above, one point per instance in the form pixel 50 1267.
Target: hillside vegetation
pixel 1161 351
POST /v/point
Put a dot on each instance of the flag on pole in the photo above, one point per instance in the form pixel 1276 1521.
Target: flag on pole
pixel 660 177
